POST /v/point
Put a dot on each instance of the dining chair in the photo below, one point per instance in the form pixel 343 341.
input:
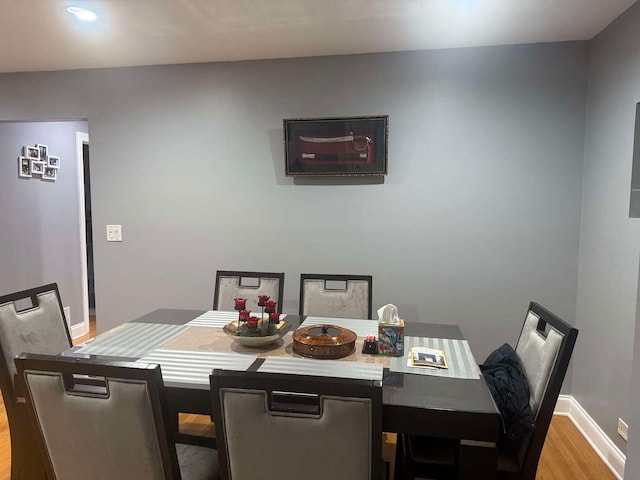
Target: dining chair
pixel 273 426
pixel 544 348
pixel 113 430
pixel 342 296
pixel 30 321
pixel 234 284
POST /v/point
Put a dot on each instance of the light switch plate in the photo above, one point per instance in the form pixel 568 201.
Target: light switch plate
pixel 114 233
pixel 623 429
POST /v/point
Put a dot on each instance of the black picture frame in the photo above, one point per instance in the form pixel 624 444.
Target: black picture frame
pixel 344 146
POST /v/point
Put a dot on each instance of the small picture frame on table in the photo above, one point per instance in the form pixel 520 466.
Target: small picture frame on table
pixel 24 167
pixel 37 167
pixel 31 152
pixel 53 162
pixel 346 146
pixel 43 150
pixel 50 174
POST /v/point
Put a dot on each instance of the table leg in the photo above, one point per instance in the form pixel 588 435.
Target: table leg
pixel 173 419
pixel 477 460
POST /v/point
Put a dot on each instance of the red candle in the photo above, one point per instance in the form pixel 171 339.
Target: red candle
pixel 262 300
pixel 244 314
pixel 252 323
pixel 241 303
pixel 270 306
pixel 274 317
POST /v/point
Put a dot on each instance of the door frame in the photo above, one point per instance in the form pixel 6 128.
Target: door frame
pixel 82 328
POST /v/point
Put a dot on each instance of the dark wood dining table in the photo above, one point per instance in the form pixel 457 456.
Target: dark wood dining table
pixel 435 406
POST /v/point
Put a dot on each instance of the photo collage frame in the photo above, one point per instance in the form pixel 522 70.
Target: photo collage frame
pixel 36 162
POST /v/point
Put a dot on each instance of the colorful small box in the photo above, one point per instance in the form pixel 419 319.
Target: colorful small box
pixel 391 338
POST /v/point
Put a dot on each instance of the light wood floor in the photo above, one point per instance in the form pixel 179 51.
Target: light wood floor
pixel 566 454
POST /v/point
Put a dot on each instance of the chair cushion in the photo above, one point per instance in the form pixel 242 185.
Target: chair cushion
pixel 350 303
pixel 230 288
pixel 538 356
pixel 38 330
pixel 262 445
pixel 97 437
pixel 197 463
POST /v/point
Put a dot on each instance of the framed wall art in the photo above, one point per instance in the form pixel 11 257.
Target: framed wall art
pixel 24 167
pixel 336 146
pixel 35 162
pixel 43 150
pixel 31 152
pixel 37 168
pixel 50 173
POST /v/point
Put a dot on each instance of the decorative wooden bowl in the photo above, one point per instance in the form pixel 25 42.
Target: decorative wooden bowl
pixel 324 341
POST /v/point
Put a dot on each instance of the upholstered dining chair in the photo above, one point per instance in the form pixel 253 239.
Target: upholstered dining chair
pixel 342 296
pixel 30 321
pixel 291 427
pixel 544 348
pixel 233 284
pixel 113 430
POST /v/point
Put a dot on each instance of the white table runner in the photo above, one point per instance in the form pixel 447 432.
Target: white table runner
pixel 362 328
pixel 461 361
pixel 219 318
pixel 185 366
pixel 132 340
pixel 323 368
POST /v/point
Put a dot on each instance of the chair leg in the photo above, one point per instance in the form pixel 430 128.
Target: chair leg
pixel 26 460
pixel 404 467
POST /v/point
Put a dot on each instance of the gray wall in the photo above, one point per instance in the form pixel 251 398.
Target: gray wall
pixel 609 243
pixel 40 234
pixel 479 214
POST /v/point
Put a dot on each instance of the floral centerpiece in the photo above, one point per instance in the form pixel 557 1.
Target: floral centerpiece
pixel 253 326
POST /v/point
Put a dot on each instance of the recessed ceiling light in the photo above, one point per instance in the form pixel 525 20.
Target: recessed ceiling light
pixel 83 14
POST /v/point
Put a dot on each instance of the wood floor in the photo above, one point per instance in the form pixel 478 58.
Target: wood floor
pixel 566 454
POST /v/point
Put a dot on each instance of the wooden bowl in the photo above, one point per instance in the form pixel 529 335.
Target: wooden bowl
pixel 324 341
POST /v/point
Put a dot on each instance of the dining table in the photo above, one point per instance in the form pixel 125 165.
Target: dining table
pixel 453 403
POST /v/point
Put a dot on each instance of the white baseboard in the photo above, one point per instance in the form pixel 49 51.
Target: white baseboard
pixel 610 454
pixel 79 330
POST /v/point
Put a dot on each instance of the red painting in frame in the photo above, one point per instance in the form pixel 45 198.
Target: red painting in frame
pixel 343 146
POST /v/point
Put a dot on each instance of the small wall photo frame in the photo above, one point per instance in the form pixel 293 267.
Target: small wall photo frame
pixel 37 167
pixel 43 151
pixel 31 152
pixel 53 162
pixel 24 167
pixel 50 173
pixel 345 146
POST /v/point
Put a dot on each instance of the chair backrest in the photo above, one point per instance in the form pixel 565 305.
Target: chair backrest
pixel 291 426
pixel 40 327
pixel 545 346
pixel 342 296
pixel 115 429
pixel 232 284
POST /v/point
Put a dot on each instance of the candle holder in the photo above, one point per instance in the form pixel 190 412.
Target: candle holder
pixel 251 330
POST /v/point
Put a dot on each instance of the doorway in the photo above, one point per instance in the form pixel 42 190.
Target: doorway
pixel 88 326
pixel 89 237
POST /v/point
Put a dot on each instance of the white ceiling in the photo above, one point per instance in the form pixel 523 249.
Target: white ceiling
pixel 41 35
